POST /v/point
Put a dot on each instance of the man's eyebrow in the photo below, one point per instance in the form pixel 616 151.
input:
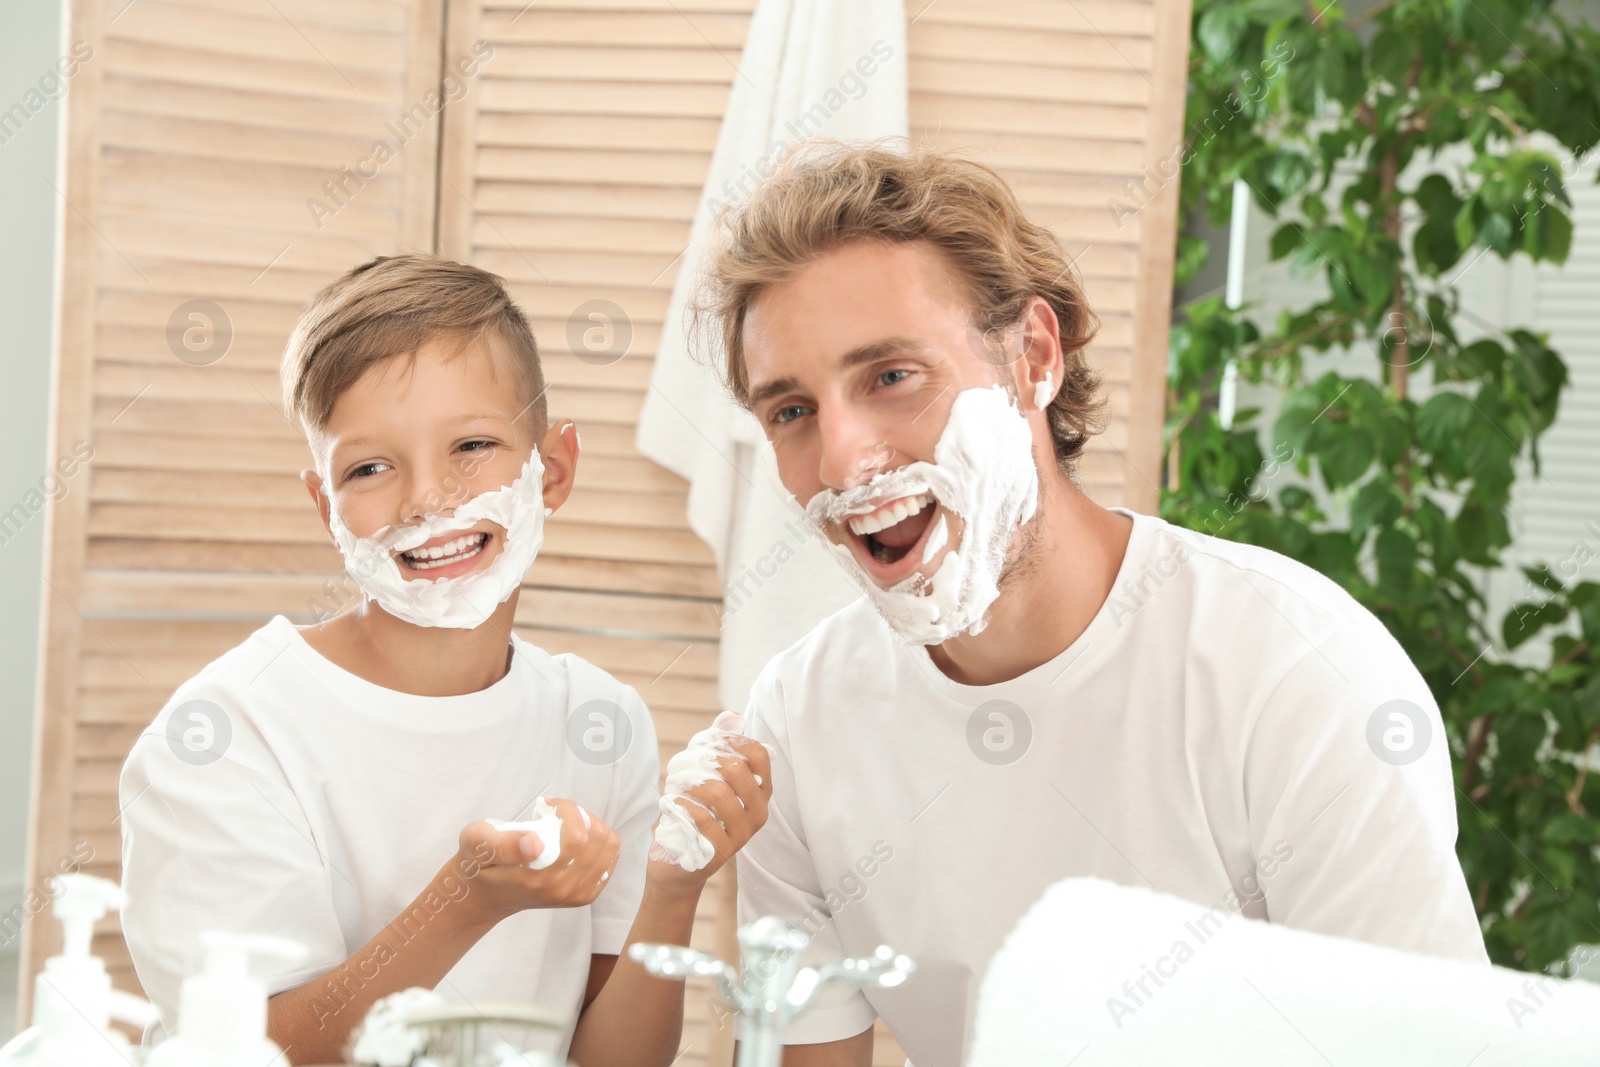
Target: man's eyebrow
pixel 868 353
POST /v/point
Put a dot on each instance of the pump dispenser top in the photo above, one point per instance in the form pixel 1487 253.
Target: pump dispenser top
pixel 74 1004
pixel 222 1011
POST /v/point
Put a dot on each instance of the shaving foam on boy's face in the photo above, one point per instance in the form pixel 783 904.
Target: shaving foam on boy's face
pixel 889 532
pixel 434 485
pixel 379 563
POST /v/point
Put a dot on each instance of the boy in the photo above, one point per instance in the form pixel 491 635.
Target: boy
pixel 333 783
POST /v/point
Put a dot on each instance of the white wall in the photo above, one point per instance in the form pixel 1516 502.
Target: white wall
pixel 30 44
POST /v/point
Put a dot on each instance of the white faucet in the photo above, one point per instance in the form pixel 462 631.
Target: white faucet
pixel 773 988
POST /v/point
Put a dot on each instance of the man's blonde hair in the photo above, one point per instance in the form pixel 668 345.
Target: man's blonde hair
pixel 389 307
pixel 830 195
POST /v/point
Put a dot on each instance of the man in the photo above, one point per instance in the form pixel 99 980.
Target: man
pixel 1032 686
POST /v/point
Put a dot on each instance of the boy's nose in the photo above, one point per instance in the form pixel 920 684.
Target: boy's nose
pixel 435 490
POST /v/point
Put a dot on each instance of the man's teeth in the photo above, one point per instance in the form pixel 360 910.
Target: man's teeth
pixel 450 552
pixel 889 514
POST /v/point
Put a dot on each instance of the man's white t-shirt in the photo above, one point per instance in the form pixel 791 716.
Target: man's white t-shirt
pixel 335 801
pixel 1206 736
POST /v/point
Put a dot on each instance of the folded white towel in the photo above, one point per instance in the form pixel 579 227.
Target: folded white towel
pixel 1099 974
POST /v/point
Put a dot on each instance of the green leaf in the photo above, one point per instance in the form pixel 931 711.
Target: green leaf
pixel 1396 553
pixel 1442 419
pixel 1391 57
pixel 1548 235
pixel 1345 456
pixel 1375 504
pixel 1220 32
pixel 1286 239
pixel 1525 620
pixel 1490 25
pixel 1570 828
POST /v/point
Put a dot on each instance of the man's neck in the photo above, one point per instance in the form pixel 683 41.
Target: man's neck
pixel 426 661
pixel 1042 611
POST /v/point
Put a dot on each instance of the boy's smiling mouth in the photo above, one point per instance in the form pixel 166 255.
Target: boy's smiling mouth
pixel 446 556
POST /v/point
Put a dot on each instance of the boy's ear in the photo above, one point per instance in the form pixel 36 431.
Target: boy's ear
pixel 313 484
pixel 559 451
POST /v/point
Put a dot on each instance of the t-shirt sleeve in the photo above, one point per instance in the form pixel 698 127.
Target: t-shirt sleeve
pixel 632 814
pixel 778 878
pixel 216 844
pixel 1350 793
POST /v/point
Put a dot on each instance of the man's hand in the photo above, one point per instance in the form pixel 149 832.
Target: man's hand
pixel 728 812
pixel 495 863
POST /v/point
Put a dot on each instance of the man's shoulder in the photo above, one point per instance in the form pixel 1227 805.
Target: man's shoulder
pixel 1240 600
pixel 1237 582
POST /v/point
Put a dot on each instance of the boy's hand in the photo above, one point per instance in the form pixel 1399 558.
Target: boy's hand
pixel 729 813
pixel 500 883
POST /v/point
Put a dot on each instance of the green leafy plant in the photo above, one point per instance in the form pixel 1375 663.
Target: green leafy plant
pixel 1391 146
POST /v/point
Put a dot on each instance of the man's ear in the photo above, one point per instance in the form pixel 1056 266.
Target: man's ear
pixel 1041 354
pixel 319 499
pixel 559 451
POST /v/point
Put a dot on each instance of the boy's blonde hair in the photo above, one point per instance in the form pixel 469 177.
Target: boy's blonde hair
pixel 831 195
pixel 389 307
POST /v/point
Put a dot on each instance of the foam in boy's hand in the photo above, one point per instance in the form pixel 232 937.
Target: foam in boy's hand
pixel 547 824
pixel 677 839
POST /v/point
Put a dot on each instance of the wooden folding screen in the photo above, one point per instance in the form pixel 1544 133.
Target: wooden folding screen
pixel 200 139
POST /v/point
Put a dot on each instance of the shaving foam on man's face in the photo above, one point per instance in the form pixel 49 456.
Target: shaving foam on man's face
pixel 435 494
pixel 880 399
pixel 982 473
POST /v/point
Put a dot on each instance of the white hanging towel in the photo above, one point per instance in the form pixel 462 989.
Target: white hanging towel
pixel 1103 975
pixel 811 69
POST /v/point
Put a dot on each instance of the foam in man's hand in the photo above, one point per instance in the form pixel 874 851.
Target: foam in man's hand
pixel 547 824
pixel 678 840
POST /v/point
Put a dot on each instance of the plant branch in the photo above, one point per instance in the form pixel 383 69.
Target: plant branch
pixel 1369 14
pixel 1576 791
pixel 1477 738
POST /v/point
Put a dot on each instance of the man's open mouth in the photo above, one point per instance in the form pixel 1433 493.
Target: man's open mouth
pixel 888 539
pixel 445 553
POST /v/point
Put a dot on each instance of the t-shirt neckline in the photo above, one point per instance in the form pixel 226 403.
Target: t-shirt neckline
pixel 463 709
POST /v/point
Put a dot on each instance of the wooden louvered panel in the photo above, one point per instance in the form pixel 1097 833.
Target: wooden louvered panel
pixel 194 140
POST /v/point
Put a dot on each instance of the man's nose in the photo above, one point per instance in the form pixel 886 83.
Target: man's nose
pixel 854 451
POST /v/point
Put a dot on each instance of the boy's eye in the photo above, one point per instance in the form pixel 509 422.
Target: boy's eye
pixel 476 446
pixel 367 469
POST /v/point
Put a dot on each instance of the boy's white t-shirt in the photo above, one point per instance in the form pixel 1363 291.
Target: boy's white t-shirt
pixel 1206 736
pixel 335 801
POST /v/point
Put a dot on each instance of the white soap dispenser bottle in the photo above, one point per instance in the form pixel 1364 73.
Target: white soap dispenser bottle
pixel 222 1011
pixel 73 1002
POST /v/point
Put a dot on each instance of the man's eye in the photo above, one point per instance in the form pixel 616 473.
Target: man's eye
pixel 788 414
pixel 884 378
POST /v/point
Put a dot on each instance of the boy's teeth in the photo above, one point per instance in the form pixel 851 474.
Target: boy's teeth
pixel 461 547
pixel 890 514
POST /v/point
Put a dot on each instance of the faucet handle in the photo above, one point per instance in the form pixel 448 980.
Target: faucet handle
pixel 883 969
pixel 676 961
